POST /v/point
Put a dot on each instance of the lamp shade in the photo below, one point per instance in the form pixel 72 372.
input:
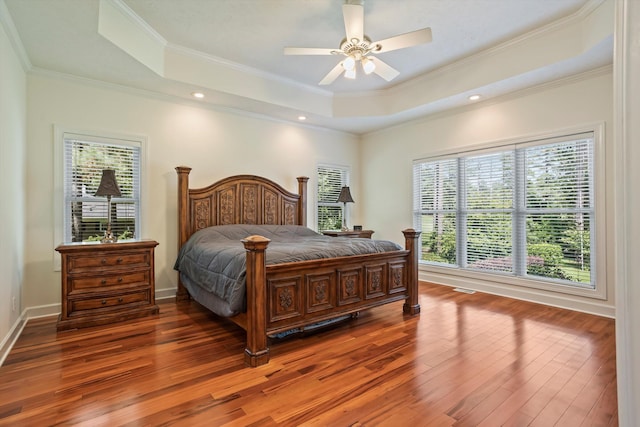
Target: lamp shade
pixel 108 184
pixel 345 195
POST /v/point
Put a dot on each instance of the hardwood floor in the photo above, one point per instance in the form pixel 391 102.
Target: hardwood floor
pixel 467 360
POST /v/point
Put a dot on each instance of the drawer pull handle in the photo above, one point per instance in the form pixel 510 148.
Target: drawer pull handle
pixel 104 260
pixel 104 301
pixel 119 279
pixel 119 260
pixel 103 281
pixel 120 299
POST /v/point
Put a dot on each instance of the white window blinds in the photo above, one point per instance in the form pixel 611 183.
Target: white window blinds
pixel 486 221
pixel 436 198
pixel 331 179
pixel 525 210
pixel 85 215
pixel 559 209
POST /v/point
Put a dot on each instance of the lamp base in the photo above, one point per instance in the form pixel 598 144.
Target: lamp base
pixel 109 237
pixel 345 228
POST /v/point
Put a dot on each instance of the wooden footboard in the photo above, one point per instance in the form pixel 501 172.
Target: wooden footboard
pixel 285 296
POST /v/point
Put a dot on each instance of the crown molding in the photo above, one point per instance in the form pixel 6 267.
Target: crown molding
pixel 14 37
pixel 137 20
pixel 240 68
pixel 151 94
pixel 575 78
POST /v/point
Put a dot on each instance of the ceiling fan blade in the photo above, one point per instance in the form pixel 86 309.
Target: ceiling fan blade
pixel 384 70
pixel 353 21
pixel 332 75
pixel 309 51
pixel 403 40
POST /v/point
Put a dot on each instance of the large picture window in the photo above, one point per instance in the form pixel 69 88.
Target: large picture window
pixel 331 179
pixel 526 210
pixel 85 215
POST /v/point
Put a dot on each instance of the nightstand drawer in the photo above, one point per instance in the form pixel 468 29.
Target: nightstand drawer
pixel 79 264
pixel 109 303
pixel 92 283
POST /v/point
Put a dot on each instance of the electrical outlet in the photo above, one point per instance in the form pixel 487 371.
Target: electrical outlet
pixel 13 304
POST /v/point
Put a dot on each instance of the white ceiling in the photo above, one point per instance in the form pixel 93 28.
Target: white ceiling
pixel 232 50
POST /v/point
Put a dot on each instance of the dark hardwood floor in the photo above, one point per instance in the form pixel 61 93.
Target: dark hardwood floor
pixel 467 360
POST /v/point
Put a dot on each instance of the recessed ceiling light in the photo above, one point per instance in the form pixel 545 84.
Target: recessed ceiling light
pixel 302 118
pixel 198 95
pixel 474 97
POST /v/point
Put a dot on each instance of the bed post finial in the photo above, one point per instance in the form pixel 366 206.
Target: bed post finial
pixel 411 305
pixel 302 206
pixel 183 220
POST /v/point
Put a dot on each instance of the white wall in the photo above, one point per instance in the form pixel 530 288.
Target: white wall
pixel 13 113
pixel 627 132
pixel 387 156
pixel 214 143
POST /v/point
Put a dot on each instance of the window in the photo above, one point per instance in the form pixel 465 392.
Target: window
pixel 525 210
pixel 85 215
pixel 330 182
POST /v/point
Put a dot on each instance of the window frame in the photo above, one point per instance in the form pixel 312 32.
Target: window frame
pixel 345 172
pixel 60 134
pixel 598 243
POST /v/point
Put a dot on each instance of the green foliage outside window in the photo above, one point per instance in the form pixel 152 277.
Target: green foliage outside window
pixel 535 200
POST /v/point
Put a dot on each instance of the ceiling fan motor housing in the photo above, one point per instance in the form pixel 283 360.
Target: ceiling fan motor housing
pixel 356 48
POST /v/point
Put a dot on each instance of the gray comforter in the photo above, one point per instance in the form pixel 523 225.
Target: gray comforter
pixel 214 258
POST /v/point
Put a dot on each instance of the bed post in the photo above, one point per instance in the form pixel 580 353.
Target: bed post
pixel 411 305
pixel 302 205
pixel 184 220
pixel 256 353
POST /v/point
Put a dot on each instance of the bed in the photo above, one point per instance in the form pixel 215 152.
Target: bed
pixel 250 227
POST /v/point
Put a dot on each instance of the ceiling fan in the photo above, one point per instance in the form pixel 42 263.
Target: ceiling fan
pixel 357 47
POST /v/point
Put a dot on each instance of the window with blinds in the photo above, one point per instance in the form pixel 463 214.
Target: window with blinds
pixel 85 215
pixel 331 179
pixel 525 210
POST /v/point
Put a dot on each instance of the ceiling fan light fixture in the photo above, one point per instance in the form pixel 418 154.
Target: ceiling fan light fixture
pixel 368 65
pixel 356 47
pixel 349 63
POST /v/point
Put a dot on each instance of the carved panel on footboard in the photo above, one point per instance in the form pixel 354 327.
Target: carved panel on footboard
pixel 320 290
pixel 397 277
pixel 349 286
pixel 285 298
pixel 375 283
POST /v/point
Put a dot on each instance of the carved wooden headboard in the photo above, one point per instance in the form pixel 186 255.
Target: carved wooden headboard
pixel 240 199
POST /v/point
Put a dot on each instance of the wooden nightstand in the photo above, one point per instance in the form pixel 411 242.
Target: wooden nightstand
pixel 106 282
pixel 352 233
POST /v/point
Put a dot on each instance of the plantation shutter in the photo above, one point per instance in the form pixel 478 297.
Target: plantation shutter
pixel 85 215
